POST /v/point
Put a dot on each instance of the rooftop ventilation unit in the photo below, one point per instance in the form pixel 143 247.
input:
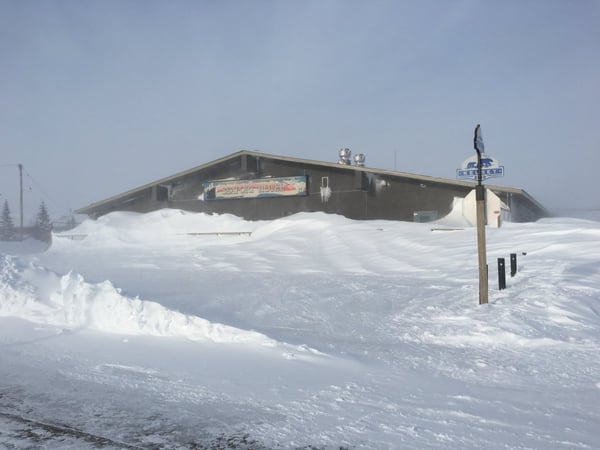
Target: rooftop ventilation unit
pixel 359 159
pixel 345 156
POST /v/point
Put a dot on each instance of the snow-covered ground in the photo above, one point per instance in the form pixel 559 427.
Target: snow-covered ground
pixel 181 330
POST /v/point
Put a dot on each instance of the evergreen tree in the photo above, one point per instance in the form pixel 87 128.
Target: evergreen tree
pixel 7 226
pixel 43 226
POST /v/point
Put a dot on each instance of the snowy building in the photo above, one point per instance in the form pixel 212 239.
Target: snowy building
pixel 256 185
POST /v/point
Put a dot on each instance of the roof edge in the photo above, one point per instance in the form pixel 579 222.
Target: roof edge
pixel 94 205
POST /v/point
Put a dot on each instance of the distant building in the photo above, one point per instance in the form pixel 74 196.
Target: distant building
pixel 256 186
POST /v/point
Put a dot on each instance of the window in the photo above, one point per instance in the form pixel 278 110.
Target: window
pixel 425 216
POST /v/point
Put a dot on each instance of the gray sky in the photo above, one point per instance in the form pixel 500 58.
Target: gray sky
pixel 97 97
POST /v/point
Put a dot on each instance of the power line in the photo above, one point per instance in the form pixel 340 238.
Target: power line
pixel 33 185
pixel 41 189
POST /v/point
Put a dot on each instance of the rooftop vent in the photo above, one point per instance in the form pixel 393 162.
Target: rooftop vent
pixel 359 159
pixel 345 156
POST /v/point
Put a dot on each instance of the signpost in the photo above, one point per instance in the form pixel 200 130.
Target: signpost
pixel 480 199
pixel 490 168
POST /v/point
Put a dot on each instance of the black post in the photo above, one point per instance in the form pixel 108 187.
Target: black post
pixel 501 274
pixel 513 264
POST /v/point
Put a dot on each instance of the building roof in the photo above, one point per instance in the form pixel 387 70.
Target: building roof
pixel 122 196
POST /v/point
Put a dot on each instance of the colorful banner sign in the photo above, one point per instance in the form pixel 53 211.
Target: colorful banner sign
pixel 262 187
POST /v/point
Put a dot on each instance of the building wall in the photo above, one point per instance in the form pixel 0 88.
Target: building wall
pixel 354 193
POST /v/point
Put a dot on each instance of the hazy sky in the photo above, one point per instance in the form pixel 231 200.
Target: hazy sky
pixel 97 97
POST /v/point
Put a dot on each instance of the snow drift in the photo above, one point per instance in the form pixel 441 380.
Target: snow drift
pixel 32 293
pixel 412 360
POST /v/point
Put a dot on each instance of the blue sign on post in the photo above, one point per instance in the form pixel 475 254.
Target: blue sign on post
pixel 490 168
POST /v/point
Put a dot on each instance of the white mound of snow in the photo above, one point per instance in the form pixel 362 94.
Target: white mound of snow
pixel 40 296
pixel 413 360
pixel 163 226
pixel 455 218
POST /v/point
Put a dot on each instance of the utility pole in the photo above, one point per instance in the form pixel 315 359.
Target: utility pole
pixel 480 199
pixel 21 197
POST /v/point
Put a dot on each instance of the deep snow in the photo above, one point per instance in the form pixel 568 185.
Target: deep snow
pixel 162 330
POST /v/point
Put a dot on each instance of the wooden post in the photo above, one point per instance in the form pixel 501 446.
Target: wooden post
pixel 480 199
pixel 481 250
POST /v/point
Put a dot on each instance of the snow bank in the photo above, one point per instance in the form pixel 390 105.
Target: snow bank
pixel 413 360
pixel 30 292
pixel 166 226
pixel 455 218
